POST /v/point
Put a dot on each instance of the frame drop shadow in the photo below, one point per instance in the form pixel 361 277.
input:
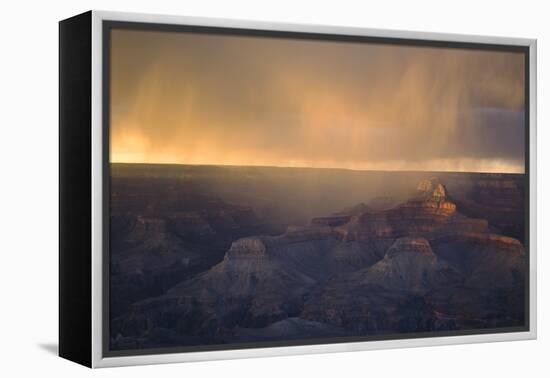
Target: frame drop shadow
pixel 52 348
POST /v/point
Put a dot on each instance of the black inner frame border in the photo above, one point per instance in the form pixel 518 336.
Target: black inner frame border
pixel 109 25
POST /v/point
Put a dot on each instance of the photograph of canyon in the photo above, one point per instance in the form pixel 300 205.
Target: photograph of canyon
pixel 269 191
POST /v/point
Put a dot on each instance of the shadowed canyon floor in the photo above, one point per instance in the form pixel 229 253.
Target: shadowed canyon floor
pixel 214 255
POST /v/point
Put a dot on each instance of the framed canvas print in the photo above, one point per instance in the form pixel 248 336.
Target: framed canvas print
pixel 236 189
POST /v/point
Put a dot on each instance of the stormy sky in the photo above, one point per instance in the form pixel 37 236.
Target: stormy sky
pixel 219 99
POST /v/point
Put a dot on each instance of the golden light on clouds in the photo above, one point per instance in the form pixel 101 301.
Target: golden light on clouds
pixel 233 100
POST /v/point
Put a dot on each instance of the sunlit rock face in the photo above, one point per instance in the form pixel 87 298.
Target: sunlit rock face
pixel 431 186
pixel 421 264
pixel 427 210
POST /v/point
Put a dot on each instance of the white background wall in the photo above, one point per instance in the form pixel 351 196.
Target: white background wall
pixel 28 205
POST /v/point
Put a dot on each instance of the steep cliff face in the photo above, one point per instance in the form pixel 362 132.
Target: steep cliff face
pixel 388 294
pixel 248 269
pixel 498 198
pixel 431 189
pixel 409 265
pixel 150 259
pixel 487 260
pixel 152 249
pixel 427 210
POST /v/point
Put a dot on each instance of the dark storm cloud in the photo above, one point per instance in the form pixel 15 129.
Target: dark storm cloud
pixel 208 99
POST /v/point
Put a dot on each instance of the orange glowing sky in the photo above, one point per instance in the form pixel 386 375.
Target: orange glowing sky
pixel 217 99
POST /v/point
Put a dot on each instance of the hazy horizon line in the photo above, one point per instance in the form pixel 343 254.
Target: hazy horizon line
pixel 308 167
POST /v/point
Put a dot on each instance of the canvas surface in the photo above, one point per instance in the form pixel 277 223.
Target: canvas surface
pixel 278 191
